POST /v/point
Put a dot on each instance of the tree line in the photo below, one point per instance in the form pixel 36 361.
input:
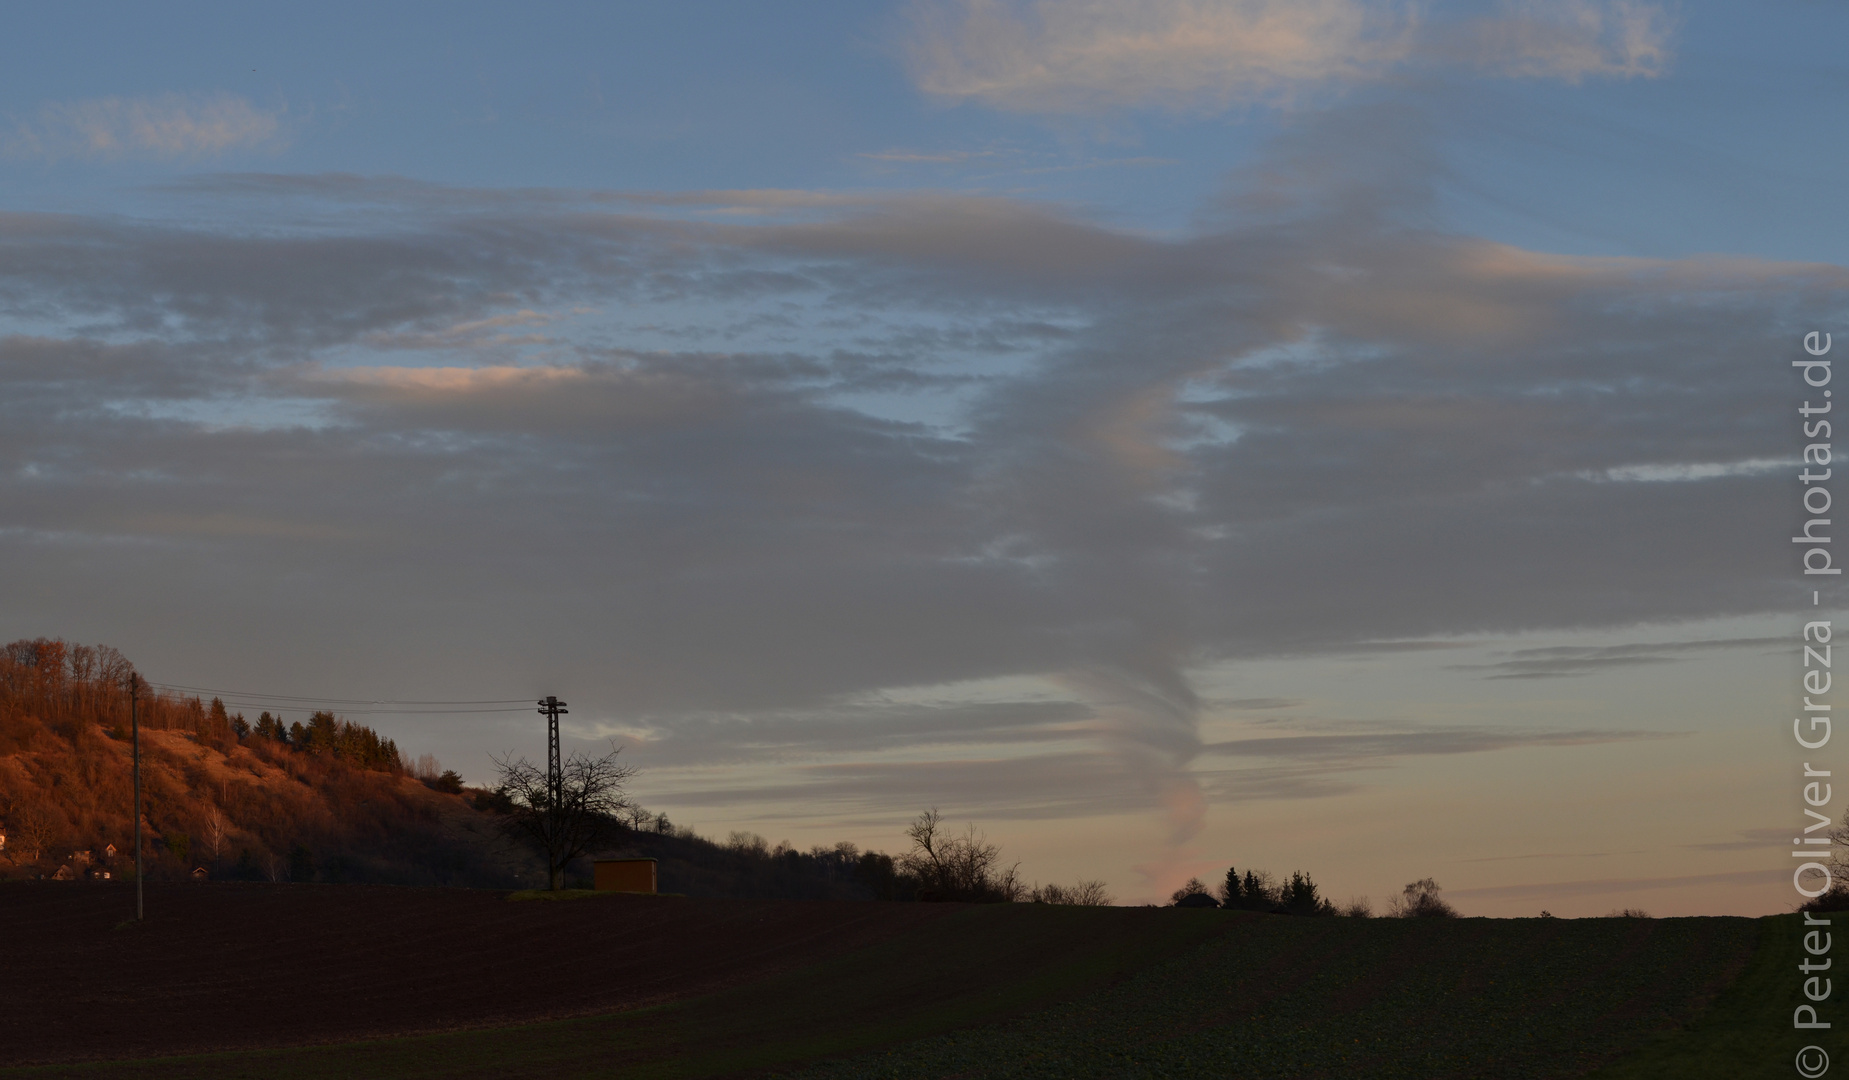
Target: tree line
pixel 1257 890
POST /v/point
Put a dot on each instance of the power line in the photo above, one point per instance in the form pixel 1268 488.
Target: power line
pixel 330 700
pixel 267 705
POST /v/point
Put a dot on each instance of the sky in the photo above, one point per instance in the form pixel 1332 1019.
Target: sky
pixel 1333 436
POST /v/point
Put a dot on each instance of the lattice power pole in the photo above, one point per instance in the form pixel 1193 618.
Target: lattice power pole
pixel 552 708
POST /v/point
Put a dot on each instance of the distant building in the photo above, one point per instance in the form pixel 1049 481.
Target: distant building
pixel 109 852
pixel 623 875
pixel 200 873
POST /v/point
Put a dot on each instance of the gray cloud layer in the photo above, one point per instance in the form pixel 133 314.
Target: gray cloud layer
pixel 392 437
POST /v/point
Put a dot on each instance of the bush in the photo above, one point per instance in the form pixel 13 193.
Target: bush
pixel 1419 900
pixel 1192 894
pixel 1084 894
pixel 1837 899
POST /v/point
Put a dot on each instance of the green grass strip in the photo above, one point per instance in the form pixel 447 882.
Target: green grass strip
pixel 1747 1033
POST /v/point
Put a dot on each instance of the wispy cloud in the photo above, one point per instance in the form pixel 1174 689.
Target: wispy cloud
pixel 1608 886
pixel 1068 56
pixel 165 126
pixel 1569 40
pixel 1751 840
pixel 1360 746
pixel 1560 661
pixel 1077 56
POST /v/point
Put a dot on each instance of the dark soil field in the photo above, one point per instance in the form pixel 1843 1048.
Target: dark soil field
pixel 356 981
pixel 244 965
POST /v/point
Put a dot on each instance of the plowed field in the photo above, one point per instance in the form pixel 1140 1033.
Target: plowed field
pixel 315 982
pixel 222 966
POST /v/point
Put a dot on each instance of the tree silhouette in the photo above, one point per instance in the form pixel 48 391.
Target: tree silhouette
pixel 1419 900
pixel 586 815
pixel 952 867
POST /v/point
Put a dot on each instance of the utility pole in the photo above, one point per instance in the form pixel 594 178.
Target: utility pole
pixel 134 723
pixel 552 708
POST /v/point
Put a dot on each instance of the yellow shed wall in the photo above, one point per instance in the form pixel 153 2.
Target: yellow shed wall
pixel 624 875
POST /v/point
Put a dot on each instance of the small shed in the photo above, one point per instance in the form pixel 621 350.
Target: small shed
pixel 623 875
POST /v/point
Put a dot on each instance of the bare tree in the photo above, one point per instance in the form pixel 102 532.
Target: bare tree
pixel 34 832
pixel 584 817
pixel 954 867
pixel 1419 900
pixel 1192 887
pixel 1084 894
pixel 215 836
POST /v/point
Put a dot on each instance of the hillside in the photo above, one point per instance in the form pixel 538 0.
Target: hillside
pixel 326 801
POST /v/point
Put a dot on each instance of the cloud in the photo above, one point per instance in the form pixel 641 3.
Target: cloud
pixel 1074 56
pixel 863 728
pixel 1570 660
pixel 1751 840
pixel 168 126
pixel 1569 41
pixel 1608 886
pixel 957 439
pixel 1364 746
pixel 1261 703
pixel 1077 56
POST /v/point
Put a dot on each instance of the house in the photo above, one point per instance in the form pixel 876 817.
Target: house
pixel 200 873
pixel 65 873
pixel 109 853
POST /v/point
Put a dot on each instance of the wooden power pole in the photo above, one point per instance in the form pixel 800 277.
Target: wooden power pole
pixel 134 723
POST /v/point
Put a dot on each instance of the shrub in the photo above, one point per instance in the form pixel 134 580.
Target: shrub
pixel 1419 900
pixel 1084 894
pixel 1192 888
